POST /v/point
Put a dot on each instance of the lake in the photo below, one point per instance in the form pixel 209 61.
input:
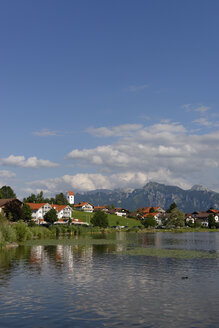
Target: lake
pixel 115 280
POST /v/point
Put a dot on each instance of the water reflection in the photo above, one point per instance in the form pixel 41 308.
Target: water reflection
pixel 92 286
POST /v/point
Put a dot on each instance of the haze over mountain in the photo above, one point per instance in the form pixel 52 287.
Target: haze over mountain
pixel 154 194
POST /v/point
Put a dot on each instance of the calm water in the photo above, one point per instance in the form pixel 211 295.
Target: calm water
pixel 95 286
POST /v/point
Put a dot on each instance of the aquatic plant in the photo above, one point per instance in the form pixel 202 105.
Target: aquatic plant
pixel 168 253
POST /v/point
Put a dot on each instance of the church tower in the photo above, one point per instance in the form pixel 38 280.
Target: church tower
pixel 70 197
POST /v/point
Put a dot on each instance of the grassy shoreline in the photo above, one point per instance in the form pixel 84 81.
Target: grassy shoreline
pixel 12 235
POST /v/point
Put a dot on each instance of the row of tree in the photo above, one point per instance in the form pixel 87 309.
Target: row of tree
pixel 59 199
pixel 176 218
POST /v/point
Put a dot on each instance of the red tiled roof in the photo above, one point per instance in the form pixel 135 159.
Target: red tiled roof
pixel 213 211
pixel 147 209
pixel 35 206
pixel 58 207
pixel 99 207
pixel 70 193
pixel 76 220
pixel 146 214
pixel 82 204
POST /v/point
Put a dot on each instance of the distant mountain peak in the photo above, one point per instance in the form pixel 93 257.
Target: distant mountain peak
pixel 155 194
pixel 152 184
pixel 198 187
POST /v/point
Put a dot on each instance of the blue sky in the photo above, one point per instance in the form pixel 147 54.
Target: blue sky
pixel 108 94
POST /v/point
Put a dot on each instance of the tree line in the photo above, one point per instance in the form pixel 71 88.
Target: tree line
pixel 15 212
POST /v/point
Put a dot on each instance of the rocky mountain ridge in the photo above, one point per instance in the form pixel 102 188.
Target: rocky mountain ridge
pixel 154 194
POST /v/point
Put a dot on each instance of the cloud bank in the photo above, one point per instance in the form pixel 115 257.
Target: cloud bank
pixel 31 162
pixel 164 152
pixel 160 146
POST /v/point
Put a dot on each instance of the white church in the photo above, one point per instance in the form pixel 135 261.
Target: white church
pixel 70 197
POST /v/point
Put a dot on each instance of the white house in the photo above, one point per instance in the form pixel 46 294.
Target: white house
pixel 40 209
pixel 63 211
pixel 79 222
pixel 84 206
pixel 70 197
pixel 121 212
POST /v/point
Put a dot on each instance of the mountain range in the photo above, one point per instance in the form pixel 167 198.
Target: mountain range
pixel 198 198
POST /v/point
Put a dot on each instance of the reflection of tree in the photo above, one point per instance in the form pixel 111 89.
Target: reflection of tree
pixel 9 260
pixel 6 264
pixel 101 249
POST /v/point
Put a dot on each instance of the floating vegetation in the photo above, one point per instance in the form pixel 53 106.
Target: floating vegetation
pixel 126 249
pixel 168 253
pixel 74 241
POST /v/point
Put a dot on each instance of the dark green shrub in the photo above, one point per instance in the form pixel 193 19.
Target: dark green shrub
pixel 100 219
pixel 22 231
pixel 149 221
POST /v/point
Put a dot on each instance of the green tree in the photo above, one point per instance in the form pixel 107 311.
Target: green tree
pixel 211 221
pixel 197 224
pixel 27 212
pixel 7 192
pixel 22 231
pixel 51 216
pixel 176 218
pixel 60 199
pixel 100 219
pixel 30 199
pixel 149 221
pixel 39 198
pixel 151 210
pixel 13 211
pixel 172 207
pixel 190 224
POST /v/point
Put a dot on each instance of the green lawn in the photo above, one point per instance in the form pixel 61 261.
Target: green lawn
pixel 112 218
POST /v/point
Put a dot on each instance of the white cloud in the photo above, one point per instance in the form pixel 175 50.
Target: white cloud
pixel 136 88
pixel 31 162
pixel 45 133
pixel 115 131
pixel 7 174
pixel 86 182
pixel 202 109
pixel 203 121
pixel 165 152
pixel 186 107
pixel 155 148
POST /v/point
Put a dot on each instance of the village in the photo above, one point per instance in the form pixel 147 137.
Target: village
pixel 145 215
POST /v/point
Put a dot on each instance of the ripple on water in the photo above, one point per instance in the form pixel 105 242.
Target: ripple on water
pixel 85 286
